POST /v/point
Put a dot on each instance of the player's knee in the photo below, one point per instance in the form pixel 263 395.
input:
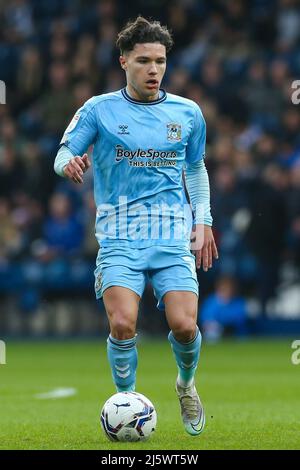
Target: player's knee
pixel 122 326
pixel 185 330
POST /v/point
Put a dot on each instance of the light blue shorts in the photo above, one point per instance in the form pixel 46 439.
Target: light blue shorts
pixel 167 268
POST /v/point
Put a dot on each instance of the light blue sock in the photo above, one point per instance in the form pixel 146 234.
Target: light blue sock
pixel 122 356
pixel 187 357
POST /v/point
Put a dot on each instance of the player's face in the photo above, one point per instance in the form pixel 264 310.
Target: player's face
pixel 145 66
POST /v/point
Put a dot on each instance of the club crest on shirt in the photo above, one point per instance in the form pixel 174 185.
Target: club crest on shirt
pixel 173 132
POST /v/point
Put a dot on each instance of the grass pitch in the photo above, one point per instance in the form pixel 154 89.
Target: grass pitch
pixel 250 391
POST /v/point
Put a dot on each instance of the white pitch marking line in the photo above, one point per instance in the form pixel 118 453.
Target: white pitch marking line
pixel 56 393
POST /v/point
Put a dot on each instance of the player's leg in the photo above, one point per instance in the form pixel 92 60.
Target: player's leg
pixel 175 285
pixel 121 305
pixel 120 280
pixel 185 339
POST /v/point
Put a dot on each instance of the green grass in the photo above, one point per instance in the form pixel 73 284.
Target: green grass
pixel 250 391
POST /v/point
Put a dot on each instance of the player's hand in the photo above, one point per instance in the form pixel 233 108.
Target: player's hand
pixel 76 167
pixel 208 249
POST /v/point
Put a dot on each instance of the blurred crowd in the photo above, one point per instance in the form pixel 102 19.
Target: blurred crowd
pixel 236 59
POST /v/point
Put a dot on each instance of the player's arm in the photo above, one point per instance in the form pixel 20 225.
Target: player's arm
pixel 72 160
pixel 197 183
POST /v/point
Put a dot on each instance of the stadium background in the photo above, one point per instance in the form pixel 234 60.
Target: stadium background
pixel 238 61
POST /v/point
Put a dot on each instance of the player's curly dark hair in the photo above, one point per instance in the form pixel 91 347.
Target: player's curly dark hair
pixel 140 31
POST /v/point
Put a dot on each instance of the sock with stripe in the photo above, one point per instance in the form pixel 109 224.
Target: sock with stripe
pixel 122 356
pixel 187 357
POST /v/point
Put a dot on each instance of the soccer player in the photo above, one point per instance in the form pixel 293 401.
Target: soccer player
pixel 145 141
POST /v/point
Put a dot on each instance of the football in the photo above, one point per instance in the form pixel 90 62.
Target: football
pixel 128 416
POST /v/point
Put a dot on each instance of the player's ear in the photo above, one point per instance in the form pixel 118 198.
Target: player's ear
pixel 123 62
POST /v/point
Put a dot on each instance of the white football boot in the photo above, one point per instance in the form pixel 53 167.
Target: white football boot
pixel 192 411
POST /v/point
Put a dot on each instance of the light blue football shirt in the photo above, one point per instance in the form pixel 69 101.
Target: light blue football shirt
pixel 140 151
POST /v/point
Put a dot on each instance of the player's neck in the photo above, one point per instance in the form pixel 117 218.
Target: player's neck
pixel 136 96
